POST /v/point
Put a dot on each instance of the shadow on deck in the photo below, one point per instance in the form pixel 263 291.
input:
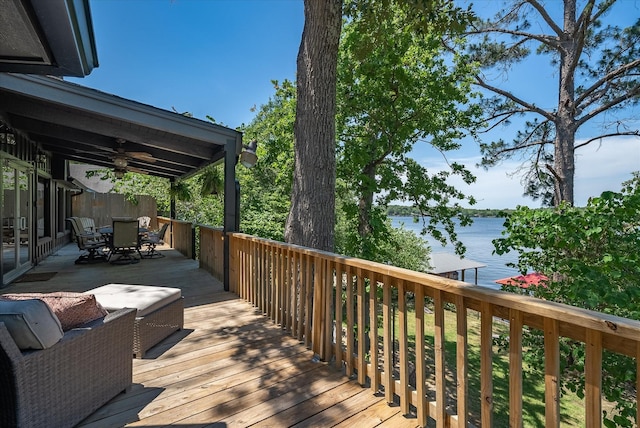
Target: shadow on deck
pixel 230 366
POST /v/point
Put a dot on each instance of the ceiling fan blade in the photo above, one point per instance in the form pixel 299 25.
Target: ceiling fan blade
pixel 147 157
pixel 136 170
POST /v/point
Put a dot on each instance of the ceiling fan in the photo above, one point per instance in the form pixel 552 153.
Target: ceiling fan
pixel 122 156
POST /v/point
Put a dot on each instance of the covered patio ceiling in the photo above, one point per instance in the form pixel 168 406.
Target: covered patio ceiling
pixel 80 124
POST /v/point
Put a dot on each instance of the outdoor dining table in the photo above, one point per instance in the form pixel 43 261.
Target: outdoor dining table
pixel 108 230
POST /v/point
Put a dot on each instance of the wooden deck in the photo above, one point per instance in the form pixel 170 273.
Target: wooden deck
pixel 230 366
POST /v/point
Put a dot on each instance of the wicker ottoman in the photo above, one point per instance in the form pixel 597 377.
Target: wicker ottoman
pixel 160 311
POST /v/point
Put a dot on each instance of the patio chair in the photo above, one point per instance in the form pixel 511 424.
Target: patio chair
pixel 144 221
pixel 125 241
pixel 92 244
pixel 153 239
pixel 88 226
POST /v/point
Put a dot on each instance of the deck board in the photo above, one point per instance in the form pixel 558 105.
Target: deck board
pixel 229 367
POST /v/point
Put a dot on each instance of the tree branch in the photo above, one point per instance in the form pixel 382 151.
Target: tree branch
pixel 531 107
pixel 600 137
pixel 501 118
pixel 604 7
pixel 604 107
pixel 533 132
pixel 583 19
pixel 543 13
pixel 608 78
pixel 556 190
pixel 525 146
pixel 580 36
pixel 547 40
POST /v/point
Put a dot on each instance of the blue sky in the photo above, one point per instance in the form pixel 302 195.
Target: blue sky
pixel 218 57
pixel 214 57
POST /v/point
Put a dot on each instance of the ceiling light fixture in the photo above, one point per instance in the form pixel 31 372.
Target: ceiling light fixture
pixel 120 162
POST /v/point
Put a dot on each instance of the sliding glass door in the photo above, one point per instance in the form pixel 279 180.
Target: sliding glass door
pixel 16 221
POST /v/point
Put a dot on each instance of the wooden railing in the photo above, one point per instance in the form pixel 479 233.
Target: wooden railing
pixel 211 255
pixel 329 302
pixel 179 235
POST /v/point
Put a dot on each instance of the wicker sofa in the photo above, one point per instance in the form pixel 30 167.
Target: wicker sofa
pixel 61 385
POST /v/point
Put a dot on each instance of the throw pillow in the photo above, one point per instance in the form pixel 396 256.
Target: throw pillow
pixel 72 309
pixel 31 323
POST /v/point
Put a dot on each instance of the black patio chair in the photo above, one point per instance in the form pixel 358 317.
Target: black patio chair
pixel 151 240
pixel 125 241
pixel 93 245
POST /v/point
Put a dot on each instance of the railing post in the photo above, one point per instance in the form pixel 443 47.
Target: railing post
pixel 439 357
pixel 552 372
pixel 328 300
pixel 486 364
pixel 193 242
pixel 637 381
pixel 593 379
pixel 360 297
pixel 403 392
pixel 515 368
pixel 317 310
pixel 462 346
pixel 373 331
pixel 338 317
pixel 389 348
pixel 350 323
pixel 421 405
pixel 234 261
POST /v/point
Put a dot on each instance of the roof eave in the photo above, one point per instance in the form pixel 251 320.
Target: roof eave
pixel 57 36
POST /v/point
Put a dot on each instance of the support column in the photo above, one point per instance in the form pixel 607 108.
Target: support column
pixel 231 202
pixel 172 210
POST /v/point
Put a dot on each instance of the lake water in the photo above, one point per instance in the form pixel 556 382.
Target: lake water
pixel 477 238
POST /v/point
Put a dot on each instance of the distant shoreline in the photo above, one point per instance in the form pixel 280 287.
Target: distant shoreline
pixel 408 211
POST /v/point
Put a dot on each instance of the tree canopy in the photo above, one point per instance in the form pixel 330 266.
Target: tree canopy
pixel 597 65
pixel 399 88
pixel 591 256
pixel 266 188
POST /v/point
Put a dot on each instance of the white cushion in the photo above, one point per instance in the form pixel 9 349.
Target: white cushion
pixel 31 323
pixel 145 298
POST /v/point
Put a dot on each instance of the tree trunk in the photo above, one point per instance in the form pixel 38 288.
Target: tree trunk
pixel 365 203
pixel 311 218
pixel 564 159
